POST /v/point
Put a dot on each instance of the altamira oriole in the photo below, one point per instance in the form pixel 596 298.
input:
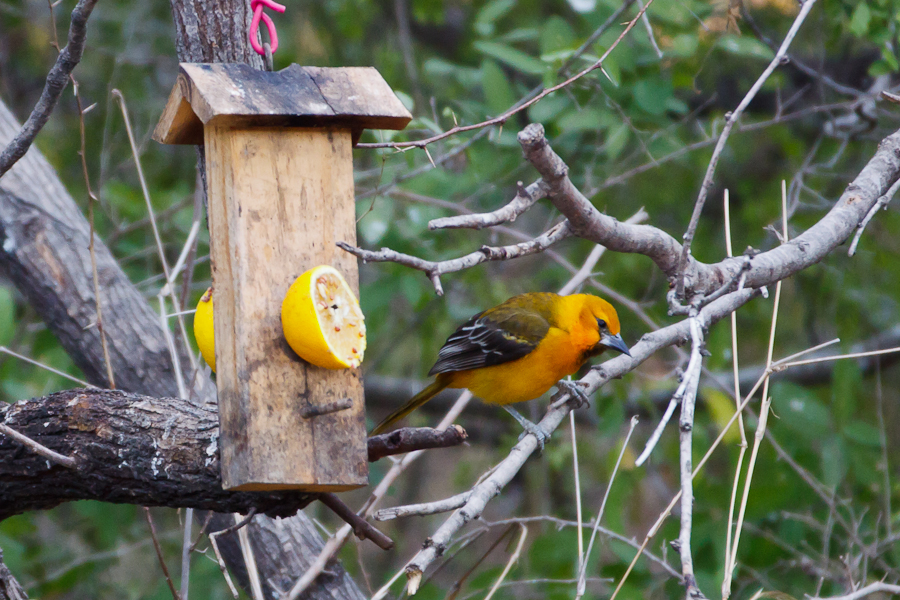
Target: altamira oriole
pixel 520 349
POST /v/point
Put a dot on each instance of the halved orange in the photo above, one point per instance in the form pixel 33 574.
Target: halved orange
pixel 204 332
pixel 322 320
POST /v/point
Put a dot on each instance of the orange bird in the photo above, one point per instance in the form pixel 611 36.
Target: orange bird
pixel 520 349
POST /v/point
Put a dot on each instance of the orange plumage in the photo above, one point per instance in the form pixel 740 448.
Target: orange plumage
pixel 520 349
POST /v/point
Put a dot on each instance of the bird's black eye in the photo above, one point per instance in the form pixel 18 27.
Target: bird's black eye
pixel 601 324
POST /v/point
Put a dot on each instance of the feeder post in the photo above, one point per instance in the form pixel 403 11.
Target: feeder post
pixel 279 163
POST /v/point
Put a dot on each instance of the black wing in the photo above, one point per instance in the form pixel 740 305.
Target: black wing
pixel 491 338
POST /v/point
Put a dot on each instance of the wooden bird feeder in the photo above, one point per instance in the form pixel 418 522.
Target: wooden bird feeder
pixel 279 174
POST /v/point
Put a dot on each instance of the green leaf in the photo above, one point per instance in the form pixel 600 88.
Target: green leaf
pixel 616 141
pixel 800 411
pixel 556 35
pixel 745 46
pixel 497 91
pixel 863 433
pixel 490 13
pixel 548 108
pixel 859 22
pixel 585 119
pixel 510 56
pixel 7 316
pixel 684 45
pixel 846 383
pixel 834 461
pixel 652 94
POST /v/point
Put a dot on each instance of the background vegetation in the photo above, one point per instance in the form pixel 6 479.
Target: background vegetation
pixel 641 137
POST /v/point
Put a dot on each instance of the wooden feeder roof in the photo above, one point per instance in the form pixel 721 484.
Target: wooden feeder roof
pixel 354 97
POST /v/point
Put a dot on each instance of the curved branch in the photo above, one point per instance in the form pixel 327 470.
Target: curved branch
pixel 57 79
pixel 768 267
pixel 434 269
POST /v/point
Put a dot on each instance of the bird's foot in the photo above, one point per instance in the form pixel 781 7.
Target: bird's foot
pixel 575 389
pixel 530 428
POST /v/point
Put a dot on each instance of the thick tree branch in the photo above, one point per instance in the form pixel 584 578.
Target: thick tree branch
pixel 136 449
pixel 805 250
pixel 128 448
pixel 9 587
pixel 57 79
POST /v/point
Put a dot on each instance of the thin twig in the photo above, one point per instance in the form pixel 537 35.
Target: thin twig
pixel 423 509
pixel 111 382
pixel 512 560
pixel 872 588
pixel 6 350
pixel 361 528
pixel 519 107
pixel 766 399
pixel 57 79
pixel 582 582
pixel 731 119
pixel 184 588
pixel 525 198
pixel 159 553
pixel 686 427
pixel 221 561
pixel 249 558
pixel 66 461
pixel 580 533
pixel 881 204
pixel 726 582
pixel 434 270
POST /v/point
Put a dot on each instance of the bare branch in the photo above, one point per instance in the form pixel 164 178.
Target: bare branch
pixel 423 509
pixel 872 588
pixel 407 439
pixel 361 528
pixel 66 461
pixel 723 137
pixel 525 199
pixel 686 426
pixel 768 267
pixel 434 270
pixel 57 80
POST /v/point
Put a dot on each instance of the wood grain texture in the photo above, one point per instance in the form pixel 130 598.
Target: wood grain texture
pixel 279 199
pixel 354 97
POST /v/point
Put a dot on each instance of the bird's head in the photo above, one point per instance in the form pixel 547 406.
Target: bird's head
pixel 601 315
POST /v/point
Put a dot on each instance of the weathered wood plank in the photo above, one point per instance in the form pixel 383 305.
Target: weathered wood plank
pixel 279 200
pixel 236 94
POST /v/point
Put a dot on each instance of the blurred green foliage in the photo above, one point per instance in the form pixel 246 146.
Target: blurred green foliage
pixel 639 136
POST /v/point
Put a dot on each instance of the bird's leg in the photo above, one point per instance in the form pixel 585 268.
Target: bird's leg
pixel 529 427
pixel 574 389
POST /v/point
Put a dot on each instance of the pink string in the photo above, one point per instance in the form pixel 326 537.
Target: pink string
pixel 257 7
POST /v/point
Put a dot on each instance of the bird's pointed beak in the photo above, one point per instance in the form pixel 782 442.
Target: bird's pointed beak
pixel 615 342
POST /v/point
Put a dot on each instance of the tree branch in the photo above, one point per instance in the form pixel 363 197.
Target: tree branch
pixel 135 449
pixel 57 79
pixel 9 587
pixel 768 267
